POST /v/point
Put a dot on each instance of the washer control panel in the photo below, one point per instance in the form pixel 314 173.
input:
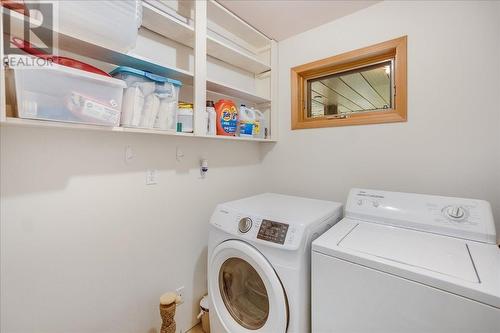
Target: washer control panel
pixel 455 213
pixel 273 231
pixel 457 217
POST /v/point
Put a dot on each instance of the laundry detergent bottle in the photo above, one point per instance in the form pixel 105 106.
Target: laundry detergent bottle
pixel 260 127
pixel 227 117
pixel 246 122
pixel 212 118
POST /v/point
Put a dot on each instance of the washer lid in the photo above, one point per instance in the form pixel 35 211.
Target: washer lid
pixel 445 255
pixel 462 267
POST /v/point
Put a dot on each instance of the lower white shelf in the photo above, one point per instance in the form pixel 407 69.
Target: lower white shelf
pixel 233 138
pixel 225 89
pixel 11 121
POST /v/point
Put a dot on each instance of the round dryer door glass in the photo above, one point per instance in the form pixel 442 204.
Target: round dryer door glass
pixel 243 293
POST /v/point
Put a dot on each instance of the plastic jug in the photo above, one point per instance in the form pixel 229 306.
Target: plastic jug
pixel 260 127
pixel 246 121
pixel 212 118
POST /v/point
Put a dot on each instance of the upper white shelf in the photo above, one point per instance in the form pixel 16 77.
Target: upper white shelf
pixel 172 27
pixel 167 25
pixel 236 26
pixel 224 52
pixel 98 52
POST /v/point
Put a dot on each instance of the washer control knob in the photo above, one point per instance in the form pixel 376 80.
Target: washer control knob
pixel 455 212
pixel 245 225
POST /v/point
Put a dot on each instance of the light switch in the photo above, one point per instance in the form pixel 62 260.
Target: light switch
pixel 129 154
pixel 152 177
pixel 179 154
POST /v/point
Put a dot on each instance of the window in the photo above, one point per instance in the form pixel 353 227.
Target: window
pixel 365 86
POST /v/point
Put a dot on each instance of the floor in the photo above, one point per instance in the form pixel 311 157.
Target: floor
pixel 196 329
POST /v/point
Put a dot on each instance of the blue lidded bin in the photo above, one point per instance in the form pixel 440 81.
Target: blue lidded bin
pixel 150 100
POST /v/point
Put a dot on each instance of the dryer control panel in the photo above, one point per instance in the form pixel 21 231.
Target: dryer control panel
pixel 462 218
pixel 273 231
pixel 257 229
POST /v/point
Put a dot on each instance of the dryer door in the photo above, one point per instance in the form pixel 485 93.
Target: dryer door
pixel 247 294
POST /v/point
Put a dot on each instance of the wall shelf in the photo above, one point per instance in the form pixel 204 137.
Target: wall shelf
pixel 226 90
pixel 20 122
pixel 236 138
pixel 174 28
pixel 102 53
pixel 168 26
pixel 117 58
pixel 236 26
pixel 139 62
pixel 226 53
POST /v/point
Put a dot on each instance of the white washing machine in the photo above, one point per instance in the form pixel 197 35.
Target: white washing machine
pixel 259 262
pixel 404 263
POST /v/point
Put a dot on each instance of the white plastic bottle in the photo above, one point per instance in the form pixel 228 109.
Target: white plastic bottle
pixel 212 118
pixel 260 125
pixel 246 122
pixel 204 122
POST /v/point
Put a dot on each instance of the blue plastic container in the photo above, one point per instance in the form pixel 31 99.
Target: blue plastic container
pixel 150 100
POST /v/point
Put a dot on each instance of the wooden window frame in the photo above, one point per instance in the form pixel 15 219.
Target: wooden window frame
pixel 395 49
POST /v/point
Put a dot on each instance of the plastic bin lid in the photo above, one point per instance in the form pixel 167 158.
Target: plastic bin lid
pixel 138 72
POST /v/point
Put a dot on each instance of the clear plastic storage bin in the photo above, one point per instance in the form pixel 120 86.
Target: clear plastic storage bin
pixel 66 94
pixel 113 24
pixel 149 101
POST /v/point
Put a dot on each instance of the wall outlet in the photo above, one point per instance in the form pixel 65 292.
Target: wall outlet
pixel 180 293
pixel 151 177
pixel 179 154
pixel 129 154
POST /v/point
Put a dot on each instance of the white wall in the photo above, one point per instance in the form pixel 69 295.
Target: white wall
pixel 86 246
pixel 450 144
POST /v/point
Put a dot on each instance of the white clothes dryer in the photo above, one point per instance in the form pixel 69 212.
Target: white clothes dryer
pixel 259 262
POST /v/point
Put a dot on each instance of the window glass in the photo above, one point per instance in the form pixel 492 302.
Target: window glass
pixel 368 88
